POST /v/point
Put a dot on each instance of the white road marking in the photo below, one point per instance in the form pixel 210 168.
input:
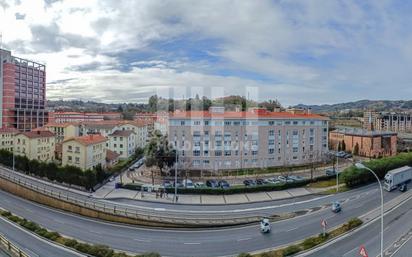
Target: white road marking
pixel 142 240
pixel 291 229
pixel 192 243
pixel 244 239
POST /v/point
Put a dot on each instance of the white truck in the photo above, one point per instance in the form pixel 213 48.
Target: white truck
pixel 397 177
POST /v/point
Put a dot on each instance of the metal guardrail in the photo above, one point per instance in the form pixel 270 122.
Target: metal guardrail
pixel 11 248
pixel 148 215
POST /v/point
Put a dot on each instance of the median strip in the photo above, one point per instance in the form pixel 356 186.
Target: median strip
pixel 81 247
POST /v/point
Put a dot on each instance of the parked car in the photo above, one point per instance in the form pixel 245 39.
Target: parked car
pixel 248 182
pixel 179 184
pixel 199 185
pixel 348 156
pixel 187 183
pixel 167 183
pixel 341 154
pixel 296 178
pixel 336 207
pixel 282 178
pixel 330 172
pixel 274 181
pixel 211 183
pixel 285 179
pixel 260 181
pixel 265 226
pixel 223 184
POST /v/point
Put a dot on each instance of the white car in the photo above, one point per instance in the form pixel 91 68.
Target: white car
pixel 265 226
pixel 188 183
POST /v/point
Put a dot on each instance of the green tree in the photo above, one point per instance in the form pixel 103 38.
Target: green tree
pixel 159 153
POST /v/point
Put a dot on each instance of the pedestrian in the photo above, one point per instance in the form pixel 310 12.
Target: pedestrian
pixel 157 194
pixel 177 198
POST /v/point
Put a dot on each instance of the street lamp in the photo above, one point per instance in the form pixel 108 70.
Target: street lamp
pixel 176 160
pixel 361 166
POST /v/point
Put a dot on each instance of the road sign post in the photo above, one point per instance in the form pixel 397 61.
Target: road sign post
pixel 323 223
pixel 362 251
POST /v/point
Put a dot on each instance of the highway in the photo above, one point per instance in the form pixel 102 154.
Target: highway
pixel 31 244
pixel 200 242
pixel 397 224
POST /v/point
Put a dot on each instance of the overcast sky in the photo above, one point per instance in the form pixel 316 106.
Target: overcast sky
pixel 295 51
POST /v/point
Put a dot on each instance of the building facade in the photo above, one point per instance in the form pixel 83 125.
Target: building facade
pixel 123 142
pixel 217 139
pixel 400 122
pixel 63 130
pixel 35 145
pixel 365 143
pixel 22 93
pixel 7 138
pixel 85 152
pixel 64 117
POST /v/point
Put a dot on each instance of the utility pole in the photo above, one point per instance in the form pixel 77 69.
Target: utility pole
pixel 176 160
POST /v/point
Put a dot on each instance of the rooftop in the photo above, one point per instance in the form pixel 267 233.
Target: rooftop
pixel 88 139
pixel 110 155
pixel 122 133
pixel 363 132
pixel 37 134
pixel 8 130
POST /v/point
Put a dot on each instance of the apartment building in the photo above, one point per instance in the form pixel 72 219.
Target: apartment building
pixel 85 152
pixel 365 143
pixel 22 92
pixel 7 138
pixel 400 122
pixel 123 142
pixel 64 117
pixel 218 139
pixel 38 145
pixel 63 130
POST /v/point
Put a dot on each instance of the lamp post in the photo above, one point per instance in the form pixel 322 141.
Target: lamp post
pixel 361 166
pixel 176 159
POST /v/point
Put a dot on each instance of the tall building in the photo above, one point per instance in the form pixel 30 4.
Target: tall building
pixel 400 122
pixel 218 139
pixel 22 92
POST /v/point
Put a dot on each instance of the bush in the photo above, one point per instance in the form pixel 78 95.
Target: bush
pixel 290 250
pixel 353 176
pixel 244 255
pixel 149 255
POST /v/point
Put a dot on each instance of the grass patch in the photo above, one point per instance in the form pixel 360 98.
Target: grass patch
pixel 89 249
pixel 325 183
pixel 330 191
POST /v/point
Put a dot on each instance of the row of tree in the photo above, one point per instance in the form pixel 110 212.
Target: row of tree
pixel 67 174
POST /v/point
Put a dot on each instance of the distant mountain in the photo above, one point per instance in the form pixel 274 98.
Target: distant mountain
pixel 378 105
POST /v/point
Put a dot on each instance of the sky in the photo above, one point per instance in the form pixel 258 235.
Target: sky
pixel 310 52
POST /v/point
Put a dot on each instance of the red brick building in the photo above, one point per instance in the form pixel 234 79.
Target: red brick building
pixel 22 92
pixel 366 143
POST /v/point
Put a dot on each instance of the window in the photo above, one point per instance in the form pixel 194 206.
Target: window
pixel 196 153
pixel 271 142
pixel 218 153
pixel 254 152
pixel 182 123
pixel 206 123
pixel 196 122
pixel 271 151
pixel 228 153
pixel 69 148
pixel 295 149
pixel 271 132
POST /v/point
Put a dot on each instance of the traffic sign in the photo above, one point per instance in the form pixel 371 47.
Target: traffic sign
pixel 363 252
pixel 323 223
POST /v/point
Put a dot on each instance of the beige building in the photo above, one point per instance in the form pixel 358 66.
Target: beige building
pixel 63 130
pixel 123 142
pixel 85 152
pixel 218 139
pixel 400 122
pixel 7 138
pixel 35 145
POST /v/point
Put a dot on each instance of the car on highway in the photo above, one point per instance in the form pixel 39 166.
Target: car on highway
pixel 223 184
pixel 336 207
pixel 330 172
pixel 249 182
pixel 211 183
pixel 265 226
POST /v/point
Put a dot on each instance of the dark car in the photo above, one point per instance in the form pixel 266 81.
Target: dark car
pixel 260 181
pixel 330 172
pixel 223 184
pixel 249 182
pixel 211 183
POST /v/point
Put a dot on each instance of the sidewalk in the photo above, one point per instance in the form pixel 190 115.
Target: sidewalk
pixel 109 192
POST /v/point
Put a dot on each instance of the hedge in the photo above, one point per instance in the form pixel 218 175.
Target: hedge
pixel 234 189
pixel 89 249
pixel 67 174
pixel 353 176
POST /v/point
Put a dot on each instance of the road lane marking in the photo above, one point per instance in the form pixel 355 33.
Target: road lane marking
pixel 193 243
pixel 291 229
pixel 142 240
pixel 243 239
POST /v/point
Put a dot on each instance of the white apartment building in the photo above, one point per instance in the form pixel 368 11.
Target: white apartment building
pixel 218 139
pixel 7 138
pixel 122 142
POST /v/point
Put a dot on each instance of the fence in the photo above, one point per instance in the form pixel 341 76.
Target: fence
pixel 147 214
pixel 11 248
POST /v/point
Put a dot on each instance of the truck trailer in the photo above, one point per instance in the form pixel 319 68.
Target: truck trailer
pixel 397 177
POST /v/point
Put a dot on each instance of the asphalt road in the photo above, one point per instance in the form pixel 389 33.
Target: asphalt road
pixel 210 242
pixel 30 243
pixel 397 223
